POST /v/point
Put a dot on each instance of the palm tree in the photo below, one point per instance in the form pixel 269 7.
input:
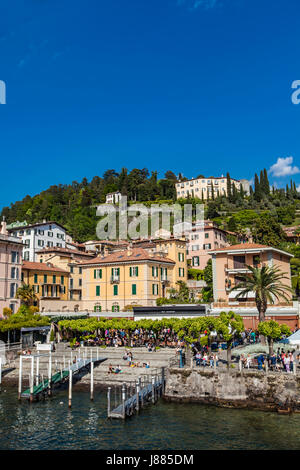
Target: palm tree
pixel 267 285
pixel 26 294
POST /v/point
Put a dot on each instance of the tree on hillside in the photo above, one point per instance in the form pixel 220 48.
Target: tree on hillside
pixel 257 189
pixel 267 231
pixel 228 186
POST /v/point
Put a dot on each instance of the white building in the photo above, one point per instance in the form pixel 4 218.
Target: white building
pixel 113 198
pixel 38 236
pixel 196 187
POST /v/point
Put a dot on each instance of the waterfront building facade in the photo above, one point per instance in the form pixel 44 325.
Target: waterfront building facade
pixel 206 188
pixel 38 236
pixel 49 281
pixel 230 264
pixel 126 278
pixel 67 259
pixel 10 269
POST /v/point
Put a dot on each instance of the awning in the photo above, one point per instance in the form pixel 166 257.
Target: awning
pixel 36 328
pixel 233 294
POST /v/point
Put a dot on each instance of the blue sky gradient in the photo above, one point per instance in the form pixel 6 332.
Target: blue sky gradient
pixel 192 86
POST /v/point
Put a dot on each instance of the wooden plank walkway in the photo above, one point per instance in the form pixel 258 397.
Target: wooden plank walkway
pixel 60 377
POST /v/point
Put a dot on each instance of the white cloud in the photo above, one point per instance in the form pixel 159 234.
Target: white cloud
pixel 283 167
pixel 298 188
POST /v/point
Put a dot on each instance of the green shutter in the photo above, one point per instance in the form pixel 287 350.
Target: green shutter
pixel 115 290
pixel 54 279
pixel 133 289
pixel 45 278
pixel 94 273
pixel 35 279
pixel 100 273
pixel 112 272
pixel 97 290
pixel 118 271
pixel 130 271
pixel 62 279
pixel 137 271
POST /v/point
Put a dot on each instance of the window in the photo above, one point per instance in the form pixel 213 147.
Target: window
pixel 181 256
pixel 133 289
pixel 80 270
pixel 195 260
pixel 13 289
pixel 50 244
pixel 115 308
pixel 154 289
pixel 26 255
pixel 54 279
pixel 14 256
pixel 35 279
pixel 115 274
pixel 71 269
pixel 206 235
pixel 97 273
pixel 45 278
pixel 13 273
pixel 59 245
pixel 98 290
pixel 115 290
pixel 97 308
pixel 181 272
pixel 36 289
pixel 40 242
pixel 195 247
pixel 27 243
pixel 134 271
pixel 28 232
pixel 239 262
pixel 50 234
pixel 71 283
pixel 80 282
pixel 256 260
pixel 154 271
pixel 164 273
pixel 62 279
pixel 207 246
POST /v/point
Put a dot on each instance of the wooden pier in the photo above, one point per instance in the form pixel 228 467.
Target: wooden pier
pixel 44 386
pixel 147 389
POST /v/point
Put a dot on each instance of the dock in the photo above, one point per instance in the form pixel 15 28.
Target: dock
pixel 45 386
pixel 147 389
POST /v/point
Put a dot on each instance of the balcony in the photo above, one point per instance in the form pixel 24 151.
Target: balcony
pixel 165 279
pixel 115 279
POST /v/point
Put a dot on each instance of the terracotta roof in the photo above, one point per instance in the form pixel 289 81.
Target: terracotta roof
pixel 64 251
pixel 249 246
pixel 42 267
pixel 242 246
pixel 137 254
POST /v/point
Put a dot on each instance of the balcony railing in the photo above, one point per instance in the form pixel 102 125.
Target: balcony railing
pixel 115 279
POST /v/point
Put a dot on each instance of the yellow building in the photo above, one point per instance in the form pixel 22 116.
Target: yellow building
pixel 50 282
pixel 174 249
pixel 68 260
pixel 133 276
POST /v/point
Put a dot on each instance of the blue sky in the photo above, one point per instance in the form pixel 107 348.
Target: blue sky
pixel 193 86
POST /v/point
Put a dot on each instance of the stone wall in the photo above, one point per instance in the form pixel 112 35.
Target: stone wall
pixel 246 389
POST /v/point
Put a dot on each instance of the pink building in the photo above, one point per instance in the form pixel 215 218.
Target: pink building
pixel 10 269
pixel 201 239
pixel 230 264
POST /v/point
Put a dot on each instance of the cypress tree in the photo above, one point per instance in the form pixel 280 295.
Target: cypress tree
pixel 212 191
pixel 228 187
pixel 257 189
pixel 266 183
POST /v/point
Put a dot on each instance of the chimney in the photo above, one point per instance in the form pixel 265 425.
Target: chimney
pixel 129 249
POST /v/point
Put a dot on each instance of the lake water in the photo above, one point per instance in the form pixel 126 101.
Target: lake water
pixel 165 426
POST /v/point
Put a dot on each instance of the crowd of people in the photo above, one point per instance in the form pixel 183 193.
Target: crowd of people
pixel 280 360
pixel 140 338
